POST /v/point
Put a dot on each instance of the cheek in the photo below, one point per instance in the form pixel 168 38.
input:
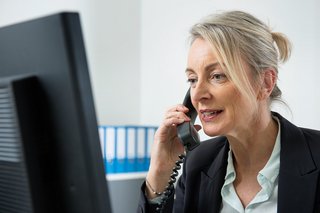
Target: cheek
pixel 243 110
pixel 236 106
pixel 231 97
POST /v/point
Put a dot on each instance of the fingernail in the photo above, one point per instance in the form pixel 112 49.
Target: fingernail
pixel 181 120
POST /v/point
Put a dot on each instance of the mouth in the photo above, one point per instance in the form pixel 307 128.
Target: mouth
pixel 209 115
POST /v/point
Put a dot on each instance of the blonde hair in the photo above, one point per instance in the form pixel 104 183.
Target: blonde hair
pixel 237 36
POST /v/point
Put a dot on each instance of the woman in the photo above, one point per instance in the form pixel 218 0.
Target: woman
pixel 259 162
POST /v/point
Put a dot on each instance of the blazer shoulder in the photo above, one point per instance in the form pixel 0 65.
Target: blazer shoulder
pixel 312 137
pixel 312 134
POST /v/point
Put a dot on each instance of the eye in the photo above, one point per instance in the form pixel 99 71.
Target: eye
pixel 219 77
pixel 192 81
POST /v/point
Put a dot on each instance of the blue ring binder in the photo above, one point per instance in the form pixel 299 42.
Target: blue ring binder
pixel 126 148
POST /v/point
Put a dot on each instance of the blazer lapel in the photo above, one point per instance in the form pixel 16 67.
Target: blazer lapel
pixel 212 180
pixel 298 174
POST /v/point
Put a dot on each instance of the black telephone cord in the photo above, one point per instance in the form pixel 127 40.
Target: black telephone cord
pixel 169 188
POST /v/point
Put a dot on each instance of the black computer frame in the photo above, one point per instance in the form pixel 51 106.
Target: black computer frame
pixel 50 50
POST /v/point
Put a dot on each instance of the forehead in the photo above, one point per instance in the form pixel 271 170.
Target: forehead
pixel 200 47
pixel 201 52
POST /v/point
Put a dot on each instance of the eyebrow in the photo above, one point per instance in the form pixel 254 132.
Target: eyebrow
pixel 208 67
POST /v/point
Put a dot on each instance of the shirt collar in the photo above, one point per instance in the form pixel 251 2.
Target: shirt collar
pixel 271 169
pixel 230 174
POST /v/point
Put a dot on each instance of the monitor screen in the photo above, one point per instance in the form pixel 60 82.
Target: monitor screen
pixel 50 154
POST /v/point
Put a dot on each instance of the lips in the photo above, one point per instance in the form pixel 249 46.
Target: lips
pixel 210 115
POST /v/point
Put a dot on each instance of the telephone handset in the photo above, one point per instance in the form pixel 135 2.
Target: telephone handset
pixel 186 131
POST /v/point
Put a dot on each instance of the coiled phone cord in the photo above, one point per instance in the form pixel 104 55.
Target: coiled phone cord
pixel 169 188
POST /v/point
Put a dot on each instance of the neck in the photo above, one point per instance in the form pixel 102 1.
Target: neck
pixel 253 147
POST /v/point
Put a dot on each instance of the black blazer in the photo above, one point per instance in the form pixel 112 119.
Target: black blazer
pixel 199 187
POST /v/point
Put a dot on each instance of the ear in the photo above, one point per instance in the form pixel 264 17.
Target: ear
pixel 268 82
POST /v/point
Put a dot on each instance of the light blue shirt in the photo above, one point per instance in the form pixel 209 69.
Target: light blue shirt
pixel 266 199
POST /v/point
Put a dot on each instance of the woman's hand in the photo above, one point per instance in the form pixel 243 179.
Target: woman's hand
pixel 165 149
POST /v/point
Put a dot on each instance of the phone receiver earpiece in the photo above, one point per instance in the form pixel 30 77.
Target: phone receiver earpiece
pixel 187 134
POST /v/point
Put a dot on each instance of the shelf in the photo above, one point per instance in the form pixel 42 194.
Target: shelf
pixel 126 176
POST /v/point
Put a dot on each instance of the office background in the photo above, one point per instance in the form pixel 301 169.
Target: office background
pixel 137 52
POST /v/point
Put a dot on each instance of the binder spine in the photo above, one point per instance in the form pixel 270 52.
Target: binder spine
pixel 126 148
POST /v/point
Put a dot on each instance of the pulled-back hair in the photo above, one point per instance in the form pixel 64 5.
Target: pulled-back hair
pixel 237 36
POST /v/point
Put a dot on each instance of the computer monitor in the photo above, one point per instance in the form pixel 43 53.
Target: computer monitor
pixel 50 154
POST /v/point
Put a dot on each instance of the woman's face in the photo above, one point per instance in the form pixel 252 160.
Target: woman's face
pixel 221 108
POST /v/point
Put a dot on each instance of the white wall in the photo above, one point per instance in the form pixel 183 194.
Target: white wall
pixel 112 35
pixel 115 59
pixel 165 26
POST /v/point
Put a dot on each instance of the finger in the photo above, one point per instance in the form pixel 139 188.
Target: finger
pixel 182 108
pixel 178 108
pixel 175 114
pixel 173 121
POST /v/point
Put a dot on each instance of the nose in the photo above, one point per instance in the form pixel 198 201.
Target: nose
pixel 200 92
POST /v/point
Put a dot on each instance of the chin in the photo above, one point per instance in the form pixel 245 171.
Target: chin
pixel 211 132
